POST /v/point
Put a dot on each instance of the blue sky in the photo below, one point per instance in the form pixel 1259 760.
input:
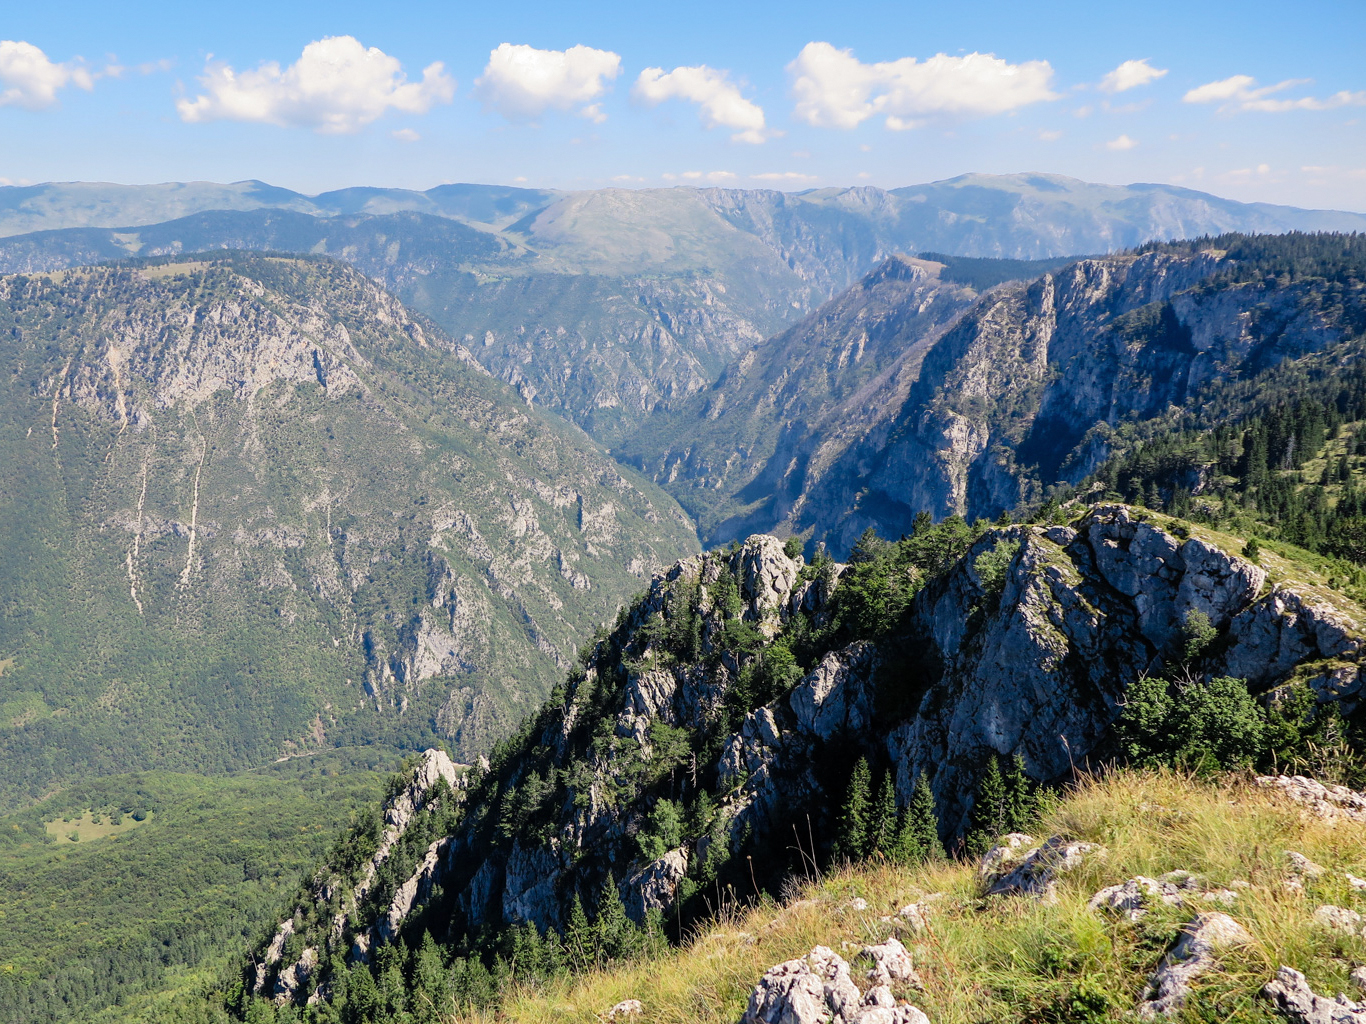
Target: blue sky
pixel 1255 101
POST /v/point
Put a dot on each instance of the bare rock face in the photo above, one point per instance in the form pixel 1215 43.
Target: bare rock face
pixel 1323 801
pixel 835 697
pixel 436 769
pixel 1018 867
pixel 653 887
pixel 416 887
pixel 293 978
pixel 1194 953
pixel 1299 1004
pixel 1287 628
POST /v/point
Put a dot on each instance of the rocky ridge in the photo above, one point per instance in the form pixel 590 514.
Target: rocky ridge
pixel 1034 667
pixel 1028 388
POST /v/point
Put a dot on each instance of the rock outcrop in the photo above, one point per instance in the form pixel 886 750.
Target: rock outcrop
pixel 1323 801
pixel 1195 952
pixel 818 987
pixel 1299 1004
pixel 1019 867
pixel 1035 666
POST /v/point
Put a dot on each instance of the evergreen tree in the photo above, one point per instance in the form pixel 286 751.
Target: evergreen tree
pixel 616 935
pixel 429 976
pixel 1022 798
pixel 987 819
pixel 852 839
pixel 918 837
pixel 578 937
pixel 883 830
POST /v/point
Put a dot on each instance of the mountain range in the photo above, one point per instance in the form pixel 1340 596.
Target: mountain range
pixel 292 486
pixel 601 305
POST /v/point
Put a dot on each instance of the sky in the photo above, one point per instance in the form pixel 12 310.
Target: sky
pixel 1254 101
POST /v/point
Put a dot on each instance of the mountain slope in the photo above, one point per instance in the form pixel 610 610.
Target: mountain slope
pixel 253 507
pixel 733 453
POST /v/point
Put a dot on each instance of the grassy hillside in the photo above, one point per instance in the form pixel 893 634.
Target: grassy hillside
pixel 1007 958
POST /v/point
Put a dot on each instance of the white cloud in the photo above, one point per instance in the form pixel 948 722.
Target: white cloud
pixel 1241 92
pixel 718 97
pixel 29 79
pixel 1120 144
pixel 521 81
pixel 834 89
pixel 1130 75
pixel 784 176
pixel 1049 135
pixel 713 176
pixel 336 86
pixel 406 135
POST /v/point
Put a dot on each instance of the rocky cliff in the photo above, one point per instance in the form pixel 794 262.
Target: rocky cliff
pixel 1025 389
pixel 744 683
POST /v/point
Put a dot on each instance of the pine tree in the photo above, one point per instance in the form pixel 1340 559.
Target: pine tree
pixel 429 976
pixel 852 839
pixel 578 938
pixel 1022 798
pixel 918 837
pixel 988 817
pixel 616 935
pixel 882 833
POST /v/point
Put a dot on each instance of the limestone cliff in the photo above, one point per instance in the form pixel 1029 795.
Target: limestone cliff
pixel 1027 388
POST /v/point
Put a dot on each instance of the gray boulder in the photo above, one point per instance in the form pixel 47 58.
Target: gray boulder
pixel 1194 953
pixel 1299 1004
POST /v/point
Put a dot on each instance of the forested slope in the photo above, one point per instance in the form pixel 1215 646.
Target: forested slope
pixel 253 507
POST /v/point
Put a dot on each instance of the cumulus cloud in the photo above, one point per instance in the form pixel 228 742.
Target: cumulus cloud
pixel 29 79
pixel 712 90
pixel 336 86
pixel 406 135
pixel 1120 144
pixel 790 176
pixel 1241 92
pixel 521 81
pixel 1130 75
pixel 834 89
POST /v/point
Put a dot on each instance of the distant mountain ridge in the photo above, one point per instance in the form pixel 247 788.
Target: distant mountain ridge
pixel 604 304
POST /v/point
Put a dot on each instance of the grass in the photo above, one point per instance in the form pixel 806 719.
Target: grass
pixel 87 827
pixel 1009 959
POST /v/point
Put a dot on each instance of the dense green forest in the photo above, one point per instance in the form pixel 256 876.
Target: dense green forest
pixel 120 894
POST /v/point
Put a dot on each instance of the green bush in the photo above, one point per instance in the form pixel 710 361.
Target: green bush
pixel 992 566
pixel 1203 726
